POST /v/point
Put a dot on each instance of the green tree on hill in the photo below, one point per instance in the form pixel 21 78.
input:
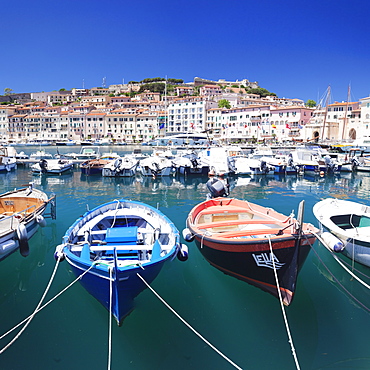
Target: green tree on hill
pixel 153 87
pixel 260 91
pixel 310 103
pixel 224 103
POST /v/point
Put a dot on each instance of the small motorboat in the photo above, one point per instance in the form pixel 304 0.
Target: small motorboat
pixel 52 166
pixel 251 242
pixel 190 164
pixel 115 245
pixel 121 167
pixel 305 161
pixel 8 161
pixel 40 154
pixel 86 153
pixel 93 167
pixel 348 226
pixel 156 166
pixel 21 213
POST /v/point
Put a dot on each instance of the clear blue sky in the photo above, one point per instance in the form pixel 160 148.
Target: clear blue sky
pixel 292 48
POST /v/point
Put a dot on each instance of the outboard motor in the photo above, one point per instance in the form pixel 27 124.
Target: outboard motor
pixel 194 162
pixel 218 188
pixel 231 164
pixel 264 167
pixel 155 170
pixel 117 164
pixel 290 160
pixel 355 162
pixel 43 165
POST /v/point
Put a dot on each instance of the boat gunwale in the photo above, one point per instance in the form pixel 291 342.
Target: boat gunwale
pixel 354 208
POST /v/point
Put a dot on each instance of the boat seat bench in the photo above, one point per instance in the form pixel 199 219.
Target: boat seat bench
pixel 235 222
pixel 241 233
pixel 109 248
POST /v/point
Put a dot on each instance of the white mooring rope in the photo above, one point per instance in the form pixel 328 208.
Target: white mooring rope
pixel 48 302
pixel 110 318
pixel 340 262
pixel 188 325
pixel 283 309
pixel 35 311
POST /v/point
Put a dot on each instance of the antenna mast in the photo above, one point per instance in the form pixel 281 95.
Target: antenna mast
pixel 345 114
pixel 326 112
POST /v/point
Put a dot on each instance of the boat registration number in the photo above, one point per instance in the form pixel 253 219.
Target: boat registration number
pixel 9 203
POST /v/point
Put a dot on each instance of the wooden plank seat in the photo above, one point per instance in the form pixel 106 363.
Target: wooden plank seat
pixel 223 209
pixel 241 233
pixel 234 222
pixel 110 247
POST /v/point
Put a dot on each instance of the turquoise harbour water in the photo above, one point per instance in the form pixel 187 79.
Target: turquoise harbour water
pixel 328 326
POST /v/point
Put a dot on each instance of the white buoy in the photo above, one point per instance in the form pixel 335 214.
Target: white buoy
pixel 40 220
pixel 183 252
pixel 332 242
pixel 187 235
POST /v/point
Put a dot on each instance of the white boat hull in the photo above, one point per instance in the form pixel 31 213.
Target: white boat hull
pixel 350 223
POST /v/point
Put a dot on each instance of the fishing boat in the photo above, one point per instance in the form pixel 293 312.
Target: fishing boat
pixel 251 242
pixel 115 245
pixel 21 213
pixel 52 166
pixel 348 226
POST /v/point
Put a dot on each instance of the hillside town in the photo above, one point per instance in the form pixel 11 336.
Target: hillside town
pixel 124 113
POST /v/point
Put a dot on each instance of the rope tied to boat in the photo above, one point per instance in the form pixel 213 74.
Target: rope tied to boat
pixel 344 267
pixel 44 305
pixel 36 309
pixel 187 324
pixel 111 270
pixel 282 307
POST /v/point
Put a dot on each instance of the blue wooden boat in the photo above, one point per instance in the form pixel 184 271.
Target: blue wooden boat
pixel 114 243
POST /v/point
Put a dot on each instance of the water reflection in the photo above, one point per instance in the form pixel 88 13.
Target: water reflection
pixel 327 265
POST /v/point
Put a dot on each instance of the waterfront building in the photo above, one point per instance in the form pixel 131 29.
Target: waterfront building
pixel 240 124
pixel 5 113
pixel 95 124
pixel 146 126
pixel 188 114
pixel 364 128
pixel 16 127
pixel 121 125
pixel 289 123
pixel 92 114
pixel 214 122
pixel 336 125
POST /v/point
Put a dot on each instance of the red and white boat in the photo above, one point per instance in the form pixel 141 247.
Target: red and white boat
pixel 251 242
